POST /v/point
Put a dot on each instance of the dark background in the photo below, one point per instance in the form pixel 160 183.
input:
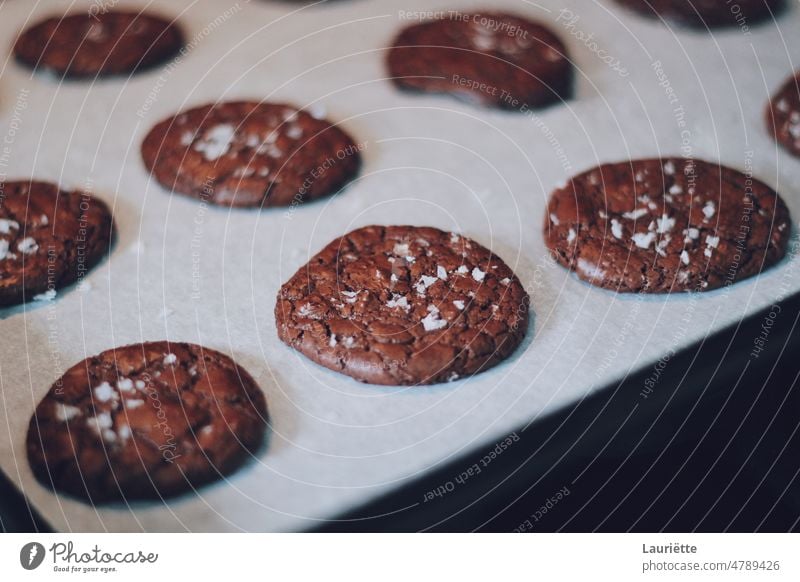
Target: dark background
pixel 714 447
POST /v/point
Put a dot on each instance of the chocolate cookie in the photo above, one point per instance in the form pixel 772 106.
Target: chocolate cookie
pixel 707 13
pixel 250 154
pixel 145 421
pixel 98 44
pixel 403 305
pixel 493 59
pixel 783 115
pixel 661 225
pixel 48 239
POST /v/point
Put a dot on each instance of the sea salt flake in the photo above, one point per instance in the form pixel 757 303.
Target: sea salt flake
pixel 6 225
pixel 28 246
pixel 554 219
pixel 125 385
pixel 170 359
pixel 643 240
pixel 48 295
pixel 432 321
pixel 294 132
pixel 669 168
pixel 216 142
pixel 709 210
pixel 104 392
pixel 459 304
pixel 462 270
pixel 398 301
pixel 635 214
pixel 665 224
pixel 684 257
pixel 616 228
pixel 712 241
pixel 424 282
pixel 571 235
pixel 590 269
pixel 65 412
pixel 101 424
pixel 400 249
pixel 349 296
pixel 478 275
pixel 441 272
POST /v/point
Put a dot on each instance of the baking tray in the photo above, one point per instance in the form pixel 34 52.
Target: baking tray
pixel 187 272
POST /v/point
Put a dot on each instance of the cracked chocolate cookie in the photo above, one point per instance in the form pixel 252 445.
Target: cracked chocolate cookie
pixel 403 305
pixel 707 13
pixel 250 154
pixel 783 115
pixel 145 421
pixel 492 59
pixel 96 44
pixel 48 239
pixel 662 225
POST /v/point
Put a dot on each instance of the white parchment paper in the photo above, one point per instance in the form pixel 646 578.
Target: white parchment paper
pixel 185 272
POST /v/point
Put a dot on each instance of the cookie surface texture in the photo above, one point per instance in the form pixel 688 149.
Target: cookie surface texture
pixel 403 305
pixel 145 421
pixel 250 154
pixel 493 59
pixel 662 225
pixel 49 238
pixel 102 43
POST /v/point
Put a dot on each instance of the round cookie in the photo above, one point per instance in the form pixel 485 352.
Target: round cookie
pixel 403 305
pixel 48 238
pixel 145 421
pixel 492 59
pixel 662 225
pixel 707 13
pixel 250 154
pixel 98 44
pixel 783 115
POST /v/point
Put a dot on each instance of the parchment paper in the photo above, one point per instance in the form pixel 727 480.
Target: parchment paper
pixel 185 272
